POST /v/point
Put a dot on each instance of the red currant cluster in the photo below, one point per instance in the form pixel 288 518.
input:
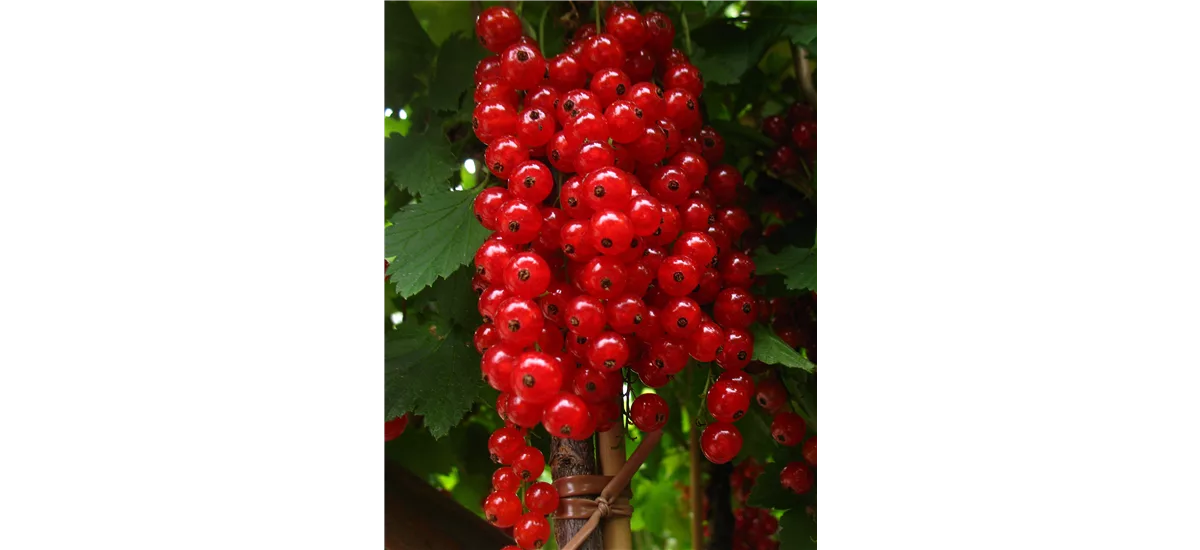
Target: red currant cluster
pixel 753 528
pixel 789 429
pixel 796 135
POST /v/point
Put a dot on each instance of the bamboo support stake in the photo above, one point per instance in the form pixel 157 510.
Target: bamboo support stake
pixel 617 534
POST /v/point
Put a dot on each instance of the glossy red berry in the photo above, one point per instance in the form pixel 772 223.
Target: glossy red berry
pixel 395 427
pixel 734 220
pixel 795 477
pixel 523 66
pixel 487 205
pixel 660 32
pixel 529 464
pixel 693 165
pixel 504 154
pixel 639 65
pixel 771 395
pixel 566 73
pixel 596 385
pixel 608 352
pixel 712 145
pixel 650 375
pixel 523 412
pixel 787 428
pixel 678 275
pixel 672 133
pixel 669 356
pixel 697 215
pixel 612 232
pixel 668 228
pixel 649 98
pixel 610 85
pixel 492 119
pixel 724 182
pixel 709 287
pixel 703 343
pixel 686 77
pixel 736 269
pixel 585 316
pixel 519 221
pixel 699 247
pixel 604 277
pixel 804 135
pixel 505 444
pixel 588 125
pixel 520 321
pixel 567 415
pixel 737 350
pixel 541 498
pixel 783 160
pixel 594 155
pixel 527 275
pixel 651 147
pixel 497 365
pixel 625 122
pixel 727 401
pixel 576 240
pixel 562 150
pixel 720 442
pixel 776 128
pixel 536 376
pixel 502 508
pixel 734 308
pixel 497 27
pixel 498 89
pixel 488 68
pixel 680 317
pixel 809 450
pixel 535 127
pixel 625 313
pixel 531 181
pixel 645 213
pixel 531 531
pixel 649 412
pixel 607 189
pixel 505 480
pixel 576 101
pixel 486 336
pixel 574 199
pixel 670 185
pixel 602 52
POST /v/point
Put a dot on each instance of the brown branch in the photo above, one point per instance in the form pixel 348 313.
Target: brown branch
pixel 573 458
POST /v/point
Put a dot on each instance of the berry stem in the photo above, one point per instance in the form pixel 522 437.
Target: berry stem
pixel 599 14
pixel 687 33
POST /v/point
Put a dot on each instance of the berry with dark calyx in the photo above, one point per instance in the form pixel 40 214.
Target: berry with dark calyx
pixel 504 154
pixel 519 221
pixel 610 85
pixel 724 182
pixel 712 145
pixel 727 401
pixel 698 246
pixel 486 336
pixel 612 232
pixel 668 355
pixel 527 275
pixel 697 215
pixel 576 101
pixel 809 450
pixel 536 376
pixel 520 321
pixel 492 119
pixel 496 88
pixel 498 27
pixel 651 147
pixel 562 150
pixel 650 375
pixel 625 120
pixel 566 73
pixel 554 302
pixel 607 189
pixel 671 133
pixel 529 464
pixel 734 308
pixel 678 275
pixel 649 98
pixel 720 442
pixel 524 412
pixel 628 27
pixel 660 32
pixel 684 76
pixel 608 352
pixel 596 385
pixel 497 365
pixel 738 349
pixel 395 427
pixel 505 480
pixel 588 125
pixel 566 415
pixel 787 428
pixel 502 508
pixel 505 444
pixel 585 316
pixel 604 277
pixel 492 257
pixel 544 99
pixel 709 287
pixel 703 343
pixel 693 165
pixel 734 220
pixel 680 317
pixel 795 477
pixel 541 498
pixel 531 531
pixel 771 395
pixel 625 313
pixel 523 66
pixel 535 127
pixel 736 269
pixel 487 205
pixel 649 412
pixel 576 240
pixel 671 185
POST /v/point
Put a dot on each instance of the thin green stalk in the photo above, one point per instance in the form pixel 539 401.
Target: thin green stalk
pixel 687 32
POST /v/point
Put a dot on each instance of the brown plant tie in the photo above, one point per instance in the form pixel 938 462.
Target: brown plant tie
pixel 613 490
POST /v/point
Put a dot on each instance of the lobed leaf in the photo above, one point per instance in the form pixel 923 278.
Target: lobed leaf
pixel 430 369
pixel 772 350
pixel 431 239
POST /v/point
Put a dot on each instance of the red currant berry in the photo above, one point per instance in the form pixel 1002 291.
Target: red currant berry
pixel 724 182
pixel 523 66
pixel 497 365
pixel 566 73
pixel 519 221
pixel 596 385
pixel 602 52
pixel 585 316
pixel 488 68
pixel 697 215
pixel 678 276
pixel 628 28
pixel 529 464
pixel 604 277
pixel 610 85
pixel 574 199
pixel 550 340
pixel 486 336
pixel 544 99
pixel 720 442
pixel 531 531
pixel 594 155
pixel 771 395
pixel 735 353
pixel 520 321
pixel 649 98
pixel 492 119
pixel 783 160
pixel 651 147
pixel 809 450
pixel 496 89
pixel 776 128
pixel 554 302
pixel 697 246
pixel 693 165
pixel 625 313
pixel 588 125
pixel 576 238
pixel 562 149
pixel 623 157
pixel 497 27
pixel 612 232
pixel 639 65
pixel 625 122
pixel 395 427
pixel 490 300
pixel 531 181
pixel 505 480
pixel 503 155
pixel 787 428
pixel 691 144
pixel 541 498
pixel 502 508
pixel 795 477
pixel 734 220
pixel 670 185
pixel 734 308
pixel 703 343
pixel 673 57
pixel 668 355
pixel 649 412
pixel 671 132
pixel 535 127
pixel 645 213
pixel 505 444
pixel 576 101
pixel 608 352
pixel 650 375
pixel 649 329
pixel 607 189
pixel 800 112
pixel 709 287
pixel 668 228
pixel 536 376
pixel 804 135
pixel 719 235
pixel 727 401
pixel 524 412
pixel 684 76
pixel 680 317
pixel 527 275
pixel 566 415
pixel 737 269
pixel 487 205
pixel 660 32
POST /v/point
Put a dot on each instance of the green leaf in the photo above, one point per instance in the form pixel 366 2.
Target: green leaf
pixel 442 19
pixel 419 163
pixel 768 493
pixel 801 35
pixel 727 128
pixel 725 52
pixel 797 265
pixel 451 297
pixel 770 349
pixel 431 369
pixel 455 72
pixel 431 239
pixel 407 52
pixel 797 531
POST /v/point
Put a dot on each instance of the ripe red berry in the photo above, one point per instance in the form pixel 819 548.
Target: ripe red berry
pixel 504 154
pixel 576 101
pixel 804 134
pixel 505 444
pixel 625 313
pixel 712 145
pixel 531 530
pixel 727 401
pixel 520 321
pixel 531 181
pixel 771 395
pixel 596 385
pixel 562 150
pixel 523 412
pixel 660 32
pixel 488 68
pixel 502 508
pixel 529 464
pixel 645 213
pixel 602 52
pixel 776 128
pixel 671 133
pixel 594 155
pixel 651 147
pixel 649 329
pixel 680 317
pixel 494 118
pixel 697 215
pixel 585 316
pixel 603 277
pixel 787 428
pixel 395 427
pixel 783 160
pixel 649 412
pixel 576 240
pixel 486 336
pixel 738 349
pixel 610 85
pixel 734 308
pixel 567 415
pixel 497 27
pixel 649 98
pixel 496 88
pixel 673 57
pixel 678 275
pixel 535 127
pixel 795 477
pixel 709 287
pixel 720 442
pixel 612 232
pixel 639 65
pixel 693 165
pixel 724 181
pixel 505 480
pixel 736 269
pixel 809 450
pixel 668 228
pixel 497 365
pixel 536 376
pixel 519 221
pixel 487 205
pixel 541 498
pixel 703 343
pixel 670 185
pixel 566 73
pixel 587 125
pixel 625 122
pixel 527 275
pixel 734 220
pixel 699 247
pixel 686 77
pixel 523 66
pixel 650 375
pixel 668 356
pixel 608 352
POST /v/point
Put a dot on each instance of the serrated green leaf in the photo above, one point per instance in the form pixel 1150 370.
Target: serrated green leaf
pixel 724 53
pixel 431 239
pixel 419 163
pixel 442 19
pixel 431 369
pixel 797 265
pixel 407 53
pixel 451 297
pixel 797 531
pixel 770 349
pixel 455 72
